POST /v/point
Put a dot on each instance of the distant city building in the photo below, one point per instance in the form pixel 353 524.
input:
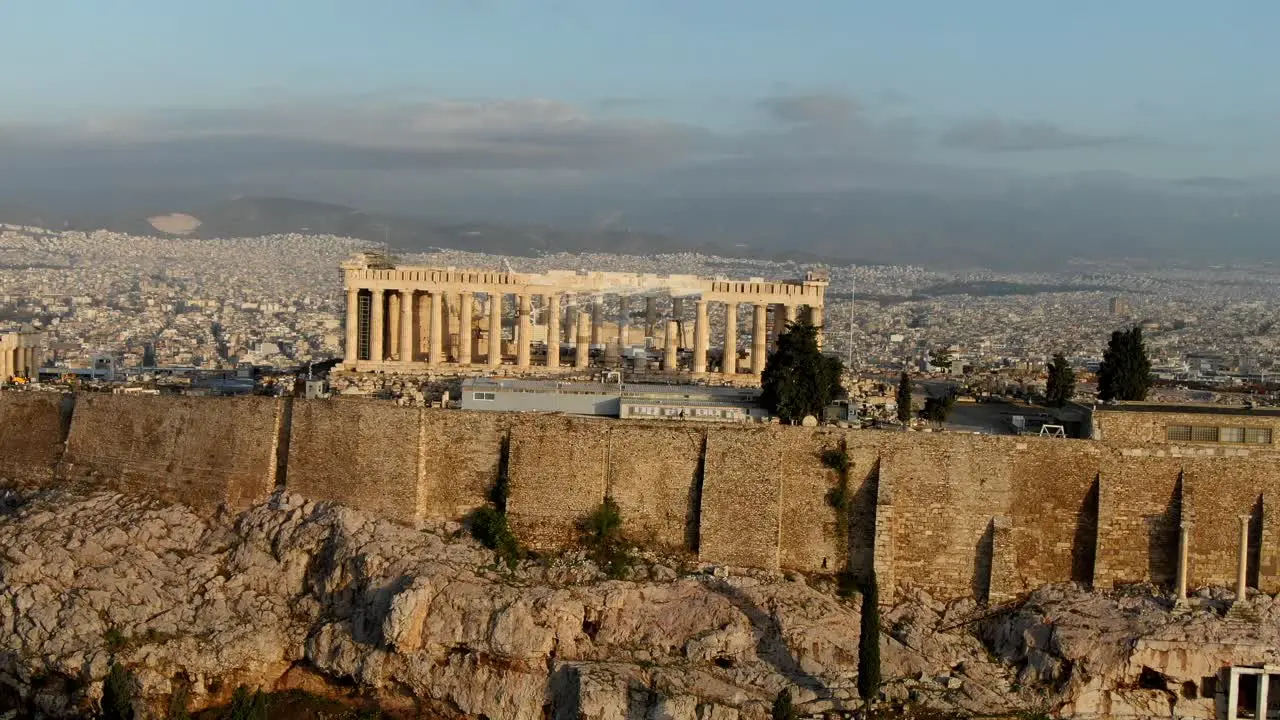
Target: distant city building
pixel 622 400
pixel 1118 306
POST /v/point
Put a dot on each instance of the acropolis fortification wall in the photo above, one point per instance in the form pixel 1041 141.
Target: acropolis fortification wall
pixel 956 514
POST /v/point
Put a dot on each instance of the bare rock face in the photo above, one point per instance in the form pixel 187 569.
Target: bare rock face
pixel 298 594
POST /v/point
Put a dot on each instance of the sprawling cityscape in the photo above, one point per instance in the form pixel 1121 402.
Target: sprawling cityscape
pixel 140 307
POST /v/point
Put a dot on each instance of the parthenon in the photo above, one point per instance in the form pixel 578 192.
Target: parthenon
pixel 409 318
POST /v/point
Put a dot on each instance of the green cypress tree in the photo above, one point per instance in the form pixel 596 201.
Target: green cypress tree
pixel 117 694
pixel 1062 382
pixel 869 643
pixel 904 397
pixel 1125 372
pixel 783 709
pixel 798 379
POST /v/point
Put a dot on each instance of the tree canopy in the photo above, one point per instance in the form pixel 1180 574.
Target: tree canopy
pixel 798 379
pixel 1062 382
pixel 1125 373
pixel 941 358
pixel 903 398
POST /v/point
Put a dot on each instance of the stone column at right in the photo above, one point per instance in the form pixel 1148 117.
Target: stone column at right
pixel 466 310
pixel 435 342
pixel 815 319
pixel 624 323
pixel 351 353
pixel 495 329
pixel 377 308
pixel 670 359
pixel 553 331
pixel 582 346
pixel 597 320
pixel 729 365
pixel 523 331
pixel 700 337
pixel 759 338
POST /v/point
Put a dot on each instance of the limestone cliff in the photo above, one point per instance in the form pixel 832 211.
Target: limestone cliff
pixel 293 593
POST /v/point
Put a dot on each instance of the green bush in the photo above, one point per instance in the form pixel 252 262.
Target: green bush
pixel 489 527
pixel 114 639
pixel 839 497
pixel 248 706
pixel 836 458
pixel 117 694
pixel 783 709
pixel 601 533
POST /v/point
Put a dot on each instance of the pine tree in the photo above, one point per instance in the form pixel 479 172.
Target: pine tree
pixel 1062 382
pixel 798 379
pixel 904 398
pixel 1125 373
pixel 941 358
pixel 869 643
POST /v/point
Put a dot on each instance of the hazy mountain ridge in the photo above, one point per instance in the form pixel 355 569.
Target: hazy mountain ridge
pixel 1040 225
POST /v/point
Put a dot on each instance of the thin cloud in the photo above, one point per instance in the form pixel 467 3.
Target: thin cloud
pixel 824 109
pixel 993 135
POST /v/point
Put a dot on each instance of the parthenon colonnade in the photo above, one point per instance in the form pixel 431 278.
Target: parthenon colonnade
pixel 409 318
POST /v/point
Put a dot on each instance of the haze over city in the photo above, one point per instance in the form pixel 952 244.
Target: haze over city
pixel 1000 133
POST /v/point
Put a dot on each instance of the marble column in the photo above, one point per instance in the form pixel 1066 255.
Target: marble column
pixel 351 352
pixel 582 348
pixel 377 307
pixel 466 310
pixel 1181 581
pixel 393 326
pixel 424 324
pixel 700 337
pixel 759 338
pixel 406 326
pixel 523 331
pixel 677 314
pixel 597 320
pixel 650 316
pixel 624 323
pixel 729 366
pixel 670 358
pixel 788 316
pixel 1242 564
pixel 495 329
pixel 553 331
pixel 435 345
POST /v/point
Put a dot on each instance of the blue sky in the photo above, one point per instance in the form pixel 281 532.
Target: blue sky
pixel 1164 88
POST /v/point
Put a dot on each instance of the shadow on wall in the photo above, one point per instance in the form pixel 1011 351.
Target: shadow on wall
pixel 983 559
pixel 862 525
pixel 694 511
pixel 1084 545
pixel 770 646
pixel 1162 539
pixel 1253 569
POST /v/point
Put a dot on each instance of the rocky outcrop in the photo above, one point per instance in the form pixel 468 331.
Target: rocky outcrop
pixel 293 593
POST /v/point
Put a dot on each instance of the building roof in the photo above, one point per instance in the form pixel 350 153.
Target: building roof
pixel 1190 409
